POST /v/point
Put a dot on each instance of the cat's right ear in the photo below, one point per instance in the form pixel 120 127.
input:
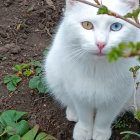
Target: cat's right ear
pixel 70 4
pixel 133 4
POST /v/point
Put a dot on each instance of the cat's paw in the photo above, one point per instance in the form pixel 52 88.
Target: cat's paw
pixel 71 115
pixel 102 134
pixel 81 132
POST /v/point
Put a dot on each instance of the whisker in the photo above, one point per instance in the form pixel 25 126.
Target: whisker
pixel 75 54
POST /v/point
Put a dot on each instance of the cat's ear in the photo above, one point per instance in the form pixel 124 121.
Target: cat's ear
pixel 133 4
pixel 70 4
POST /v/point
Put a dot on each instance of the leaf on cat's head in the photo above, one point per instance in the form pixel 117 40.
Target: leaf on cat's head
pixel 134 14
pixel 103 10
pixel 128 15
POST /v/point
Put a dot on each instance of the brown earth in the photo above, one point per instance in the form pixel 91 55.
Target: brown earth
pixel 26 29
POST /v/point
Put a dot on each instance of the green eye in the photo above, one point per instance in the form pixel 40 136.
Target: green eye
pixel 87 25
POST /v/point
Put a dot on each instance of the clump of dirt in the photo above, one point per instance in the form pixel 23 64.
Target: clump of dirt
pixel 26 28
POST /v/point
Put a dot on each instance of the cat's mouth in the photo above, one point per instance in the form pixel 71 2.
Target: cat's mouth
pixel 100 54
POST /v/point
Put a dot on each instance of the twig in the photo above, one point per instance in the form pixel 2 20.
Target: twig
pixel 131 54
pixel 41 98
pixel 111 13
pixel 134 96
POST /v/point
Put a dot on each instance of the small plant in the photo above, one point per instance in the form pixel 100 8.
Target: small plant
pixel 122 51
pixel 121 124
pixel 126 137
pixel 36 82
pixel 12 81
pixel 124 122
pixel 23 69
pixel 45 52
pixel 28 69
pixel 33 68
pixel 129 133
pixel 13 127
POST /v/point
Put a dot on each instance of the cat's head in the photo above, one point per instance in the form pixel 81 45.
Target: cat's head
pixel 99 33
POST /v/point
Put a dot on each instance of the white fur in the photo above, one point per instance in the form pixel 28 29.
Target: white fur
pixel 87 84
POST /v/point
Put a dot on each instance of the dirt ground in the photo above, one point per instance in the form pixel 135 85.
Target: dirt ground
pixel 26 29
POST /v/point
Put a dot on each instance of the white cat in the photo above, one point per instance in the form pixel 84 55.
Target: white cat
pixel 79 74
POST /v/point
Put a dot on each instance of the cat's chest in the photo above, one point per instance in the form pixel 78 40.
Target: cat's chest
pixel 98 82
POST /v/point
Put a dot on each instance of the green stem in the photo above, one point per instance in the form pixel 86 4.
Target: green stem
pixel 131 133
pixel 4 132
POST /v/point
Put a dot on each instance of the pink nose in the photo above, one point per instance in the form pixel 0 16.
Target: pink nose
pixel 100 45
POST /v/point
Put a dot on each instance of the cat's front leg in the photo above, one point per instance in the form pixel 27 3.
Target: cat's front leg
pixel 71 114
pixel 83 129
pixel 105 115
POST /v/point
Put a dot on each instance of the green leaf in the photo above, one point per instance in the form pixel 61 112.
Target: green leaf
pixel 14 137
pixel 137 115
pixel 126 137
pixel 36 63
pixel 16 128
pixel 133 15
pixel 30 135
pixel 28 72
pixel 49 137
pixel 103 10
pixel 22 127
pixel 10 130
pixel 38 70
pixel 128 15
pixel 16 80
pixel 41 136
pixel 21 67
pixel 136 14
pixel 11 116
pixel 44 136
pixel 6 137
pixel 12 81
pixel 34 82
pixel 1 128
pixel 131 69
pixel 41 87
pixel 18 114
pixel 11 86
pixel 45 52
pixel 17 68
pixel 7 79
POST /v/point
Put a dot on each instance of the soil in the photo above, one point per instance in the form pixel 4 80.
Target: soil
pixel 26 29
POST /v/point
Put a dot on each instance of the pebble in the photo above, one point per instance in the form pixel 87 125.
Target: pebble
pixel 3 34
pixel 24 36
pixel 14 58
pixel 11 47
pixel 15 49
pixel 41 26
pixel 7 3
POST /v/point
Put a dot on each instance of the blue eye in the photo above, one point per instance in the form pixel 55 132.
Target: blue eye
pixel 116 26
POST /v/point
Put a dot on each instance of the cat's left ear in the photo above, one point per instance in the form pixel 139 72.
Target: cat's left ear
pixel 70 4
pixel 133 4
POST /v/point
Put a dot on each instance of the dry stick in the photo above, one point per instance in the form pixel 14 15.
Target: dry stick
pixel 131 54
pixel 111 13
